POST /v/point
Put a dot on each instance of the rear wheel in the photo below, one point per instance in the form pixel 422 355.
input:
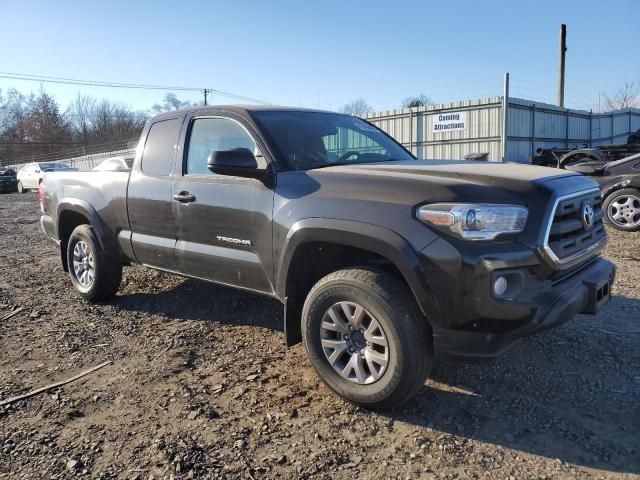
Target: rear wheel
pixel 622 209
pixel 21 188
pixel 366 338
pixel 93 274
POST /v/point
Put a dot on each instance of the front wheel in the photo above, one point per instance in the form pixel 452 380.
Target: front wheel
pixel 622 209
pixel 366 337
pixel 93 274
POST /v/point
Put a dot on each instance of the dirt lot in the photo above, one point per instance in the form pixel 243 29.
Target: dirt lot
pixel 201 385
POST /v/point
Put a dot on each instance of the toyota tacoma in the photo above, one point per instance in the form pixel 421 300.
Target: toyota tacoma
pixel 381 261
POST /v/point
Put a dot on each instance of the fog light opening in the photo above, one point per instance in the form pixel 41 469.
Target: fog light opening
pixel 500 286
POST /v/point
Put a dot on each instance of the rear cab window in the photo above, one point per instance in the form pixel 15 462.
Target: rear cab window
pixel 157 157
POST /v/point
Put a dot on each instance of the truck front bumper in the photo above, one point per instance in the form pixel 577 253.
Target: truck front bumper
pixel 586 291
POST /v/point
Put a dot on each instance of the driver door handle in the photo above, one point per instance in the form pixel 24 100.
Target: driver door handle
pixel 184 197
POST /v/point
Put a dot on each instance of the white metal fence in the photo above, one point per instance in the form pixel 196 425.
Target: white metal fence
pixel 530 125
pixel 85 163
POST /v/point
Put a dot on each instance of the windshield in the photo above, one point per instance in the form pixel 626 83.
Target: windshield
pixel 306 140
pixel 54 166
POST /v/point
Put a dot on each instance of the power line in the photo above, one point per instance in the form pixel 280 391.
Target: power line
pixel 143 86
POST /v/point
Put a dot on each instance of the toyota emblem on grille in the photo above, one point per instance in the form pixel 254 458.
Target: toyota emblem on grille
pixel 587 215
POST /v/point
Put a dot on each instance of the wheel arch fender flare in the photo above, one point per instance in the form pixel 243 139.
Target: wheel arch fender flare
pixel 626 183
pixel 373 238
pixel 107 240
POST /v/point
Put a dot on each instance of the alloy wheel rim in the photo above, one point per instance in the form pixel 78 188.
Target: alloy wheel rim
pixel 83 264
pixel 354 343
pixel 624 211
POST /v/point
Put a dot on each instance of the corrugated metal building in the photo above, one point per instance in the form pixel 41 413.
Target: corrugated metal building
pixel 476 126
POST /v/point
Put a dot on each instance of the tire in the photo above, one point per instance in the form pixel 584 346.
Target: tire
pixel 622 210
pixel 21 189
pixel 385 299
pixel 102 274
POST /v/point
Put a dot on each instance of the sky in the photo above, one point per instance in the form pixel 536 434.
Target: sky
pixel 321 54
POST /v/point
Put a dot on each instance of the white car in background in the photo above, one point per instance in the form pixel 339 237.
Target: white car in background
pixel 115 164
pixel 30 175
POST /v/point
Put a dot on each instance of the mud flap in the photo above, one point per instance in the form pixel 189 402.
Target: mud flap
pixel 292 327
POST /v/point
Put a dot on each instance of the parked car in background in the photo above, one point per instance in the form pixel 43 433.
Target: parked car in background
pixel 115 164
pixel 8 181
pixel 29 176
pixel 620 186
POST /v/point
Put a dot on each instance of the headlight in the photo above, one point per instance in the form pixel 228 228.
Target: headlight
pixel 472 221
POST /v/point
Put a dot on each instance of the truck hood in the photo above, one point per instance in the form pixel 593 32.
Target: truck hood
pixel 418 181
pixel 386 194
pixel 445 171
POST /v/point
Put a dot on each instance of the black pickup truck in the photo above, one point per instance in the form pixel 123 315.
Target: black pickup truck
pixel 380 260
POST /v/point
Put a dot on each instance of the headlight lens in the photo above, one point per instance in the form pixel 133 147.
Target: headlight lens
pixel 472 221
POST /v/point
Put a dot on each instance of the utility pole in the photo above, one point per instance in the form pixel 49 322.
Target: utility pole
pixel 205 92
pixel 563 51
pixel 599 95
pixel 505 118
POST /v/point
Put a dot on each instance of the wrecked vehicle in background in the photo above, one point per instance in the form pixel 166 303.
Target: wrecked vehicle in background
pixel 561 157
pixel 616 168
pixel 620 186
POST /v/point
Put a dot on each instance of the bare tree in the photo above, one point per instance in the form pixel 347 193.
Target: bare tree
pixel 80 115
pixel 359 107
pixel 4 112
pixel 13 110
pixel 114 122
pixel 169 102
pixel 626 96
pixel 417 101
pixel 33 124
pixel 94 122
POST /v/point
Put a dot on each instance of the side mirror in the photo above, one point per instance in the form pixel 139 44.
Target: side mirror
pixel 238 162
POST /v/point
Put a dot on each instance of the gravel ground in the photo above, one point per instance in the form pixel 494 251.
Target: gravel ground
pixel 201 385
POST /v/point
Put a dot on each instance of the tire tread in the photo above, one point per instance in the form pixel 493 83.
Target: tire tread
pixel 107 282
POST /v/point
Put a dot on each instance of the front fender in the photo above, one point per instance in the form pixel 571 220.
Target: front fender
pixel 373 238
pixel 619 185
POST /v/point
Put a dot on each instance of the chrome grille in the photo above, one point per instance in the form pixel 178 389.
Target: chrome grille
pixel 570 234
